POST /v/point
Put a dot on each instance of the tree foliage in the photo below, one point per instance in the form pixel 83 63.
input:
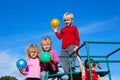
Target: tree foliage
pixel 8 78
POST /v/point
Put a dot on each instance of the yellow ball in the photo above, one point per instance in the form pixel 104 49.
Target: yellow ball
pixel 55 23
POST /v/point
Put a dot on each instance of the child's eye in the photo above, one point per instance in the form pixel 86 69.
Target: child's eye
pixel 33 51
pixel 65 20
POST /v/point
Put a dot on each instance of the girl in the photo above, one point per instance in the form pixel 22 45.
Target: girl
pixel 46 44
pixel 32 70
pixel 86 71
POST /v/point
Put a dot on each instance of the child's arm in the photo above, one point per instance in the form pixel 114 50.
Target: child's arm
pixel 82 68
pixel 99 77
pixel 58 35
pixel 55 58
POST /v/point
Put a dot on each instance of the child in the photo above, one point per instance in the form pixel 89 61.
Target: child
pixel 70 40
pixel 32 70
pixel 85 71
pixel 46 44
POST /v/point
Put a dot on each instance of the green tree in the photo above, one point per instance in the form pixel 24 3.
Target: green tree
pixel 8 78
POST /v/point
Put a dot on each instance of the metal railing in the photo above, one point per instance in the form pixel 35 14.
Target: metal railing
pixel 86 45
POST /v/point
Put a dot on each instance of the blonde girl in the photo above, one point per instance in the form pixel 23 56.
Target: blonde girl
pixel 32 70
pixel 51 67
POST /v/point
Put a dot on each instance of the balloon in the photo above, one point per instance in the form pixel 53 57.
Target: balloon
pixel 45 57
pixel 55 23
pixel 21 63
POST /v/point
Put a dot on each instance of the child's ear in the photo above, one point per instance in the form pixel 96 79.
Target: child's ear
pixel 99 65
pixel 72 20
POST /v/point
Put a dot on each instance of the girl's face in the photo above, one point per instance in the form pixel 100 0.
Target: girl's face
pixel 46 46
pixel 68 21
pixel 33 54
pixel 92 65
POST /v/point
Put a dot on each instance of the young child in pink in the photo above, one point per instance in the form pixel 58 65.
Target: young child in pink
pixel 32 70
pixel 51 66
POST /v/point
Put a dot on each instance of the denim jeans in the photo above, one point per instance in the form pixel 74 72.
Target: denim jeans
pixel 43 76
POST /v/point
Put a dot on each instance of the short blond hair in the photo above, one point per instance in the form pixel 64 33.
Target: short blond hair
pixel 68 14
pixel 47 40
pixel 30 48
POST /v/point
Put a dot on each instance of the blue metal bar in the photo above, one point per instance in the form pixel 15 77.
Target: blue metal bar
pixel 109 74
pixel 113 52
pixel 88 56
pixel 99 42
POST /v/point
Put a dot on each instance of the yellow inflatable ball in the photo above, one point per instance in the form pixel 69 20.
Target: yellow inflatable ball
pixel 55 23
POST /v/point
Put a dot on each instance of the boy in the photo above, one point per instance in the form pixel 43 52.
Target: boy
pixel 70 40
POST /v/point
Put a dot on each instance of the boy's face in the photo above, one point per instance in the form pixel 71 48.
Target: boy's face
pixel 68 21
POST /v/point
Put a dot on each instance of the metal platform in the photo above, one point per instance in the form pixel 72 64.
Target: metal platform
pixel 77 75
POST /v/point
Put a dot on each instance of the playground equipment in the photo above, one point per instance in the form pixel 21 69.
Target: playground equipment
pixel 77 75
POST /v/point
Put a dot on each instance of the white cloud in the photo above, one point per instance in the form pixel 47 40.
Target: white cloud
pixel 89 28
pixel 100 26
pixel 8 65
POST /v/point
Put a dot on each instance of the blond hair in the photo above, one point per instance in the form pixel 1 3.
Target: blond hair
pixel 46 40
pixel 68 15
pixel 31 48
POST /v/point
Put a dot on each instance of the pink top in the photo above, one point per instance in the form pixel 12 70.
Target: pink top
pixel 33 68
pixel 53 64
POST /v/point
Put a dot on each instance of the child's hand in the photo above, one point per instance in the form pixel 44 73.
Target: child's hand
pixel 75 49
pixel 51 59
pixel 99 66
pixel 20 69
pixel 55 29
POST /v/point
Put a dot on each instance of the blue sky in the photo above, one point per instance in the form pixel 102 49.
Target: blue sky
pixel 26 21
